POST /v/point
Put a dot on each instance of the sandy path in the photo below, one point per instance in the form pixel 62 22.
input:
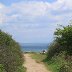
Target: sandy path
pixel 33 66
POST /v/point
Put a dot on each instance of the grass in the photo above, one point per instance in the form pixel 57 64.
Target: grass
pixel 38 57
pixel 51 65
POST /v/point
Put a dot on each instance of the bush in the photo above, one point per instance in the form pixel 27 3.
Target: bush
pixel 62 42
pixel 53 50
pixel 64 38
pixel 66 68
pixel 10 54
pixel 60 51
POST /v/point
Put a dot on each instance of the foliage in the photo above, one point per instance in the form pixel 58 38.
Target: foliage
pixel 59 55
pixel 64 38
pixel 62 42
pixel 2 68
pixel 38 57
pixel 54 49
pixel 65 68
pixel 10 54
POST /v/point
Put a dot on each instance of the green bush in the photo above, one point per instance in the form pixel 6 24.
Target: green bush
pixel 64 38
pixel 66 68
pixel 60 51
pixel 62 42
pixel 10 54
pixel 53 50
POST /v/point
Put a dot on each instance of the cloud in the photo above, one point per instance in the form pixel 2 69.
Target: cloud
pixel 34 11
pixel 34 19
pixel 1 15
pixel 1 6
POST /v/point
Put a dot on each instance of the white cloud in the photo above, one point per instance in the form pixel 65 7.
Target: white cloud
pixel 32 8
pixel 32 11
pixel 1 15
pixel 1 6
pixel 68 4
pixel 33 16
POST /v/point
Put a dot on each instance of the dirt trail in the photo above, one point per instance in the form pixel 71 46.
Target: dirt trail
pixel 33 66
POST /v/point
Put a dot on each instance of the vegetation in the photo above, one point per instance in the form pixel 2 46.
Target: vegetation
pixel 59 56
pixel 2 68
pixel 64 38
pixel 11 58
pixel 38 57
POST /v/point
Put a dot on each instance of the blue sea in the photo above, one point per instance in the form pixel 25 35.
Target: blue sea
pixel 34 47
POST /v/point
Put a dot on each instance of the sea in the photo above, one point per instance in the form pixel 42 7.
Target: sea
pixel 34 47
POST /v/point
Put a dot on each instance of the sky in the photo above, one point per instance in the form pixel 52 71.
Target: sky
pixel 34 21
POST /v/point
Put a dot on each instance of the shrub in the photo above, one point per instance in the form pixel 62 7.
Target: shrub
pixel 66 68
pixel 60 51
pixel 53 50
pixel 10 54
pixel 64 38
pixel 2 68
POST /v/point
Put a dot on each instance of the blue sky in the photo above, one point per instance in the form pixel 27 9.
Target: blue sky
pixel 34 21
pixel 9 2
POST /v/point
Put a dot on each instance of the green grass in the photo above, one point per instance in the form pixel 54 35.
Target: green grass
pixel 38 57
pixel 51 67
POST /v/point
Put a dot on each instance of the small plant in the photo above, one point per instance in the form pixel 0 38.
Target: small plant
pixel 65 68
pixel 2 68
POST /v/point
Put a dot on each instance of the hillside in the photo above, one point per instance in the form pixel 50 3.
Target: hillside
pixel 11 58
